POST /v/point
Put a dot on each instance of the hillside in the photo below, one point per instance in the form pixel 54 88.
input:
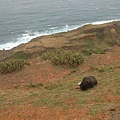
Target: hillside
pixel 88 36
pixel 42 91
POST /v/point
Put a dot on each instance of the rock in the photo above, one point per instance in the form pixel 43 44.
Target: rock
pixel 112 109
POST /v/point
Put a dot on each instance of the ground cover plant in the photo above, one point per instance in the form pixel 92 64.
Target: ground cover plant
pixel 31 85
pixel 61 57
pixel 93 51
pixel 11 65
pixel 20 55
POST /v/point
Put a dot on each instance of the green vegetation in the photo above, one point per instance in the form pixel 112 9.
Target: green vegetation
pixel 64 95
pixel 103 69
pixel 9 99
pixel 31 85
pixel 94 51
pixel 58 92
pixel 20 55
pixel 100 35
pixel 89 43
pixel 12 65
pixel 61 57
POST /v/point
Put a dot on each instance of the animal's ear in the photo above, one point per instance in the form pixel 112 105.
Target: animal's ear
pixel 87 81
pixel 84 78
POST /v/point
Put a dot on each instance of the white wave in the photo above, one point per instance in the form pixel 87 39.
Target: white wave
pixel 8 46
pixel 52 28
pixel 28 35
pixel 103 22
pixel 24 38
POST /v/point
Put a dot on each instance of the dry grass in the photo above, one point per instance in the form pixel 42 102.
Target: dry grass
pixel 42 91
pixel 97 102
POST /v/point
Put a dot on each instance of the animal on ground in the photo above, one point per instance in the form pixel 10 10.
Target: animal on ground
pixel 87 82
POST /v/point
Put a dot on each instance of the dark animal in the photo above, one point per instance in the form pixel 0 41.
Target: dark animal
pixel 88 82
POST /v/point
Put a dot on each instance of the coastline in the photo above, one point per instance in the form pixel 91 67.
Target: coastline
pixel 100 35
pixel 28 93
pixel 27 37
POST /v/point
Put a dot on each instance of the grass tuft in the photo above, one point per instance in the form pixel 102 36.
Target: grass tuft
pixel 31 85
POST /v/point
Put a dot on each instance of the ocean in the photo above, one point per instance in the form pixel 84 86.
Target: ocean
pixel 23 20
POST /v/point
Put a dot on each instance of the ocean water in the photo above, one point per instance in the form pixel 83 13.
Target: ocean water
pixel 22 20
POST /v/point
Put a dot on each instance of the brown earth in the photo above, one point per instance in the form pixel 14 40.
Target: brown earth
pixel 45 72
pixel 13 86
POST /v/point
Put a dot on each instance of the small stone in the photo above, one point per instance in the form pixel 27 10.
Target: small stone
pixel 112 109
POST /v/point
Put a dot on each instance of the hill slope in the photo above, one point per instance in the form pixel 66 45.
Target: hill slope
pixel 43 91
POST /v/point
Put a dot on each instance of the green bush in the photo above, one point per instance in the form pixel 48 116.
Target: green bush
pixel 20 55
pixel 94 51
pixel 61 57
pixel 102 69
pixel 11 65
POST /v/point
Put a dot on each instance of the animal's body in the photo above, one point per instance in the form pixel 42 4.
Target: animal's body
pixel 88 82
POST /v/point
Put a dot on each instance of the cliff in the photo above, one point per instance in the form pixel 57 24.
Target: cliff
pixel 88 36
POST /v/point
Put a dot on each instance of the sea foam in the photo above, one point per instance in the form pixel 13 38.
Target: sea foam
pixel 28 35
pixel 103 22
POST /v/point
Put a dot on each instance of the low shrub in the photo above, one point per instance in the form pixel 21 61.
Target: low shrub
pixel 31 85
pixel 102 69
pixel 61 57
pixel 20 55
pixel 93 51
pixel 12 65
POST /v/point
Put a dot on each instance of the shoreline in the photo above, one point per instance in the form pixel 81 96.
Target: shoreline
pixel 104 35
pixel 12 45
